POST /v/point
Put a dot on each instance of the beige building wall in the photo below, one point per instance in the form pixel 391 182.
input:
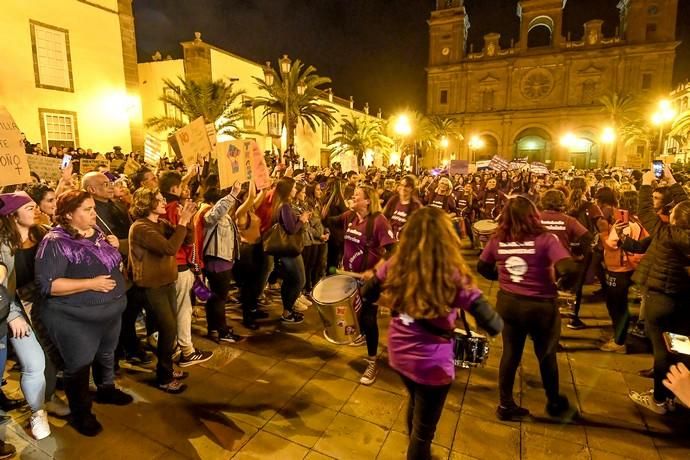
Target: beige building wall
pixel 96 97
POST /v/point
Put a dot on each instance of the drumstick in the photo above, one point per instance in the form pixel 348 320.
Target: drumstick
pixel 337 271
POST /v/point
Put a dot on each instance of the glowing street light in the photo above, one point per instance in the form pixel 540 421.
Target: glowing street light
pixel 402 126
pixel 444 142
pixel 568 140
pixel 664 114
pixel 608 135
pixel 475 143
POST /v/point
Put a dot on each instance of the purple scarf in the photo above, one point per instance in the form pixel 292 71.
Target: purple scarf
pixel 82 250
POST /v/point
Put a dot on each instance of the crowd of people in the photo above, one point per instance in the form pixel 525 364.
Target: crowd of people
pixel 83 259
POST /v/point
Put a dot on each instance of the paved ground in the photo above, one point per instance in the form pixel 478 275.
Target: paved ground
pixel 288 394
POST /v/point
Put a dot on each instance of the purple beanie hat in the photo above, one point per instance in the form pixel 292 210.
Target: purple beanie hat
pixel 10 202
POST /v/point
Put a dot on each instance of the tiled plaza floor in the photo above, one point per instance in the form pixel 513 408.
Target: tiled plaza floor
pixel 285 393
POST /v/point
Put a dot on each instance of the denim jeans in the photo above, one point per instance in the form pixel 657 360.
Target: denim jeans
pixel 32 361
pixel 293 280
pixel 423 413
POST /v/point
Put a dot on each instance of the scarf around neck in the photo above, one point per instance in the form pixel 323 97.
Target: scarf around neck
pixel 82 250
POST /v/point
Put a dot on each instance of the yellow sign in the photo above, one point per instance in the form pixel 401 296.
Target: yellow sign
pixel 87 165
pixel 14 167
pixel 47 168
pixel 193 142
pixel 233 162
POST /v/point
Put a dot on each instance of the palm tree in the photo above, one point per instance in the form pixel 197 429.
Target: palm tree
pixel 359 134
pixel 638 131
pixel 216 101
pixel 434 128
pixel 303 97
pixel 622 109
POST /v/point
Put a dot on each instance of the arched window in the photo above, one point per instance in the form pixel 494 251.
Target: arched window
pixel 540 32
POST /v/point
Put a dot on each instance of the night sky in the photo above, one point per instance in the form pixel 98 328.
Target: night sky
pixel 374 50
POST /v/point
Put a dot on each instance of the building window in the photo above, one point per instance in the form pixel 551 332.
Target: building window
pixel 58 128
pixel 444 96
pixel 646 81
pixel 325 134
pixel 488 99
pixel 650 33
pixel 52 60
pixel 273 124
pixel 171 110
pixel 589 91
pixel 248 117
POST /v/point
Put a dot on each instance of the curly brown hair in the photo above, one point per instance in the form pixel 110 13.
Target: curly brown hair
pixel 427 269
pixel 67 203
pixel 144 202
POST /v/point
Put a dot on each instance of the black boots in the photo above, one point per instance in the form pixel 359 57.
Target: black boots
pixel 77 391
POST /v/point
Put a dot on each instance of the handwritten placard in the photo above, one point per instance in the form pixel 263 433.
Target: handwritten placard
pixel 87 165
pixel 131 167
pixel 233 162
pixel 47 168
pixel 259 171
pixel 14 167
pixel 193 142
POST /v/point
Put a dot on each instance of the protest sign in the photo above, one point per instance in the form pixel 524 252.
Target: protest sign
pixel 348 162
pixel 458 167
pixel 633 161
pixel 233 162
pixel 152 150
pixel 47 168
pixel 193 142
pixel 212 139
pixel 483 164
pixel 259 171
pixel 499 164
pixel 115 164
pixel 14 167
pixel 538 168
pixel 131 167
pixel 86 165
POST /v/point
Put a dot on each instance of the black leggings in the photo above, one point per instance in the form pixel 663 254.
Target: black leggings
pixel 617 287
pixel 247 270
pixel 539 319
pixel 370 327
pixel 423 413
pixel 219 282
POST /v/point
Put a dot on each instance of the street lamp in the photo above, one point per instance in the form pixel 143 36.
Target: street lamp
pixel 608 137
pixel 403 128
pixel 475 143
pixel 664 114
pixel 444 145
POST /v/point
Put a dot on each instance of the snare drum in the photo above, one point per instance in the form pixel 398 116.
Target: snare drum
pixel 338 301
pixel 482 230
pixel 470 351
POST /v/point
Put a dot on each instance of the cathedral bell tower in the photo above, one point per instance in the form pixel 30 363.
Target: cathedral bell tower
pixel 541 23
pixel 648 21
pixel 447 32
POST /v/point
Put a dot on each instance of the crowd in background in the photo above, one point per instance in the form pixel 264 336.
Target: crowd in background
pixel 84 258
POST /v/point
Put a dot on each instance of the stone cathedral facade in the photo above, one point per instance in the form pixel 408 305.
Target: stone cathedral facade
pixel 523 99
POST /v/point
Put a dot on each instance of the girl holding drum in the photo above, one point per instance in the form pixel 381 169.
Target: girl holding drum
pixel 522 255
pixel 426 282
pixel 368 239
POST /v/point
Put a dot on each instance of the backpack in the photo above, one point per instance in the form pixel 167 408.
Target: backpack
pixel 620 257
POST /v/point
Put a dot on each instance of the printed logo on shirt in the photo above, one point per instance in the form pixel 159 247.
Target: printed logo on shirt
pixel 405 319
pixel 511 247
pixel 517 267
pixel 554 225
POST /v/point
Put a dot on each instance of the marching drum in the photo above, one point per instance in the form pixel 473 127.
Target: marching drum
pixel 482 230
pixel 338 301
pixel 470 350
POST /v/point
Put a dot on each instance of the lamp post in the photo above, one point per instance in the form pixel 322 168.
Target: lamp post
pixel 475 143
pixel 403 129
pixel 608 137
pixel 664 114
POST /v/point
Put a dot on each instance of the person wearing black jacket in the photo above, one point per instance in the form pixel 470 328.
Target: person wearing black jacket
pixel 662 272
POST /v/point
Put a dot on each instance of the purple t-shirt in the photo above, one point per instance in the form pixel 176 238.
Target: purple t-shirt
pixel 398 219
pixel 566 228
pixel 526 268
pixel 356 246
pixel 418 354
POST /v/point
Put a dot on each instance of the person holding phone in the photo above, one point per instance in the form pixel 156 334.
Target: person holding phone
pixel 662 272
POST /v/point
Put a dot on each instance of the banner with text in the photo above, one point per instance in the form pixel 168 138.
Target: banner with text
pixel 152 150
pixel 538 168
pixel 499 164
pixel 458 167
pixel 193 142
pixel 14 167
pixel 47 168
pixel 87 165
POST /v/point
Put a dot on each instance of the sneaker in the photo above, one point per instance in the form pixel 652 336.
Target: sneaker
pixel 576 324
pixel 109 394
pixel 197 357
pixel 612 346
pixel 511 413
pixel 7 450
pixel 292 318
pixel 87 425
pixel 561 408
pixel 57 407
pixel 179 375
pixel 152 341
pixel 302 304
pixel 177 353
pixel 369 375
pixel 646 400
pixel 638 331
pixel 140 357
pixel 229 337
pixel 173 387
pixel 359 341
pixel 39 425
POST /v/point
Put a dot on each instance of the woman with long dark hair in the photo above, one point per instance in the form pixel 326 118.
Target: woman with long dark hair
pixel 292 267
pixel 45 199
pixel 522 255
pixel 401 206
pixel 427 282
pixel 316 267
pixel 334 205
pixel 78 270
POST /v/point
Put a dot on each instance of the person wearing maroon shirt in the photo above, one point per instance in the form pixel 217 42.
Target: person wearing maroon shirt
pixel 401 206
pixel 466 202
pixel 521 256
pixel 568 229
pixel 490 200
pixel 368 238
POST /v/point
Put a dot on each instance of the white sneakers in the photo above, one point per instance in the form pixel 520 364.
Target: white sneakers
pixel 57 406
pixel 369 375
pixel 646 400
pixel 39 425
pixel 612 346
pixel 303 303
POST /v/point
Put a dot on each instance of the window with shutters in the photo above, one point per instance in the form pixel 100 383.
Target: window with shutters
pixel 248 116
pixel 52 59
pixel 59 128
